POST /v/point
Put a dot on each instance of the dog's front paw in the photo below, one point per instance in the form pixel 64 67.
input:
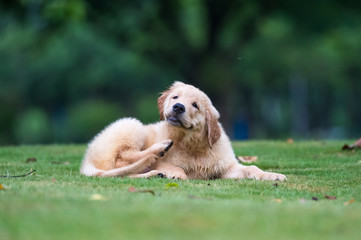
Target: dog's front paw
pixel 273 176
pixel 254 172
pixel 161 175
pixel 174 175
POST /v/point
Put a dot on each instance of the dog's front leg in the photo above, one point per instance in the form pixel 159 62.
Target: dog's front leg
pixel 252 172
pixel 152 173
pixel 170 171
pixel 163 170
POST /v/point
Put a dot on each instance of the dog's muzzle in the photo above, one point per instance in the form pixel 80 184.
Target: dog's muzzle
pixel 174 118
pixel 179 108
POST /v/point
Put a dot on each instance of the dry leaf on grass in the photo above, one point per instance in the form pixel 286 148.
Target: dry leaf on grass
pixel 349 202
pixel 30 160
pixel 277 200
pixel 356 144
pixel 247 159
pixel 2 187
pixel 330 197
pixel 60 163
pixel 134 190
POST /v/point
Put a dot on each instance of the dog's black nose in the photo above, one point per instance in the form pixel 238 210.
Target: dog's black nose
pixel 179 108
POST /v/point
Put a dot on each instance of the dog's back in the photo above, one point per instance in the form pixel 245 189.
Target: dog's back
pixel 103 150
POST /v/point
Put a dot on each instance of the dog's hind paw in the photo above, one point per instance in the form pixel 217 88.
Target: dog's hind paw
pixel 169 146
pixel 162 147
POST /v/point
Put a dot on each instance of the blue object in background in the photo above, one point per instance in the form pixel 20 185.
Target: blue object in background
pixel 241 129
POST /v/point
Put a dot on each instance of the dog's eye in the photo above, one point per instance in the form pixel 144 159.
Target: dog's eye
pixel 195 105
pixel 175 97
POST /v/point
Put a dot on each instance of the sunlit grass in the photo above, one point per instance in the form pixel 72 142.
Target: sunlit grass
pixel 58 203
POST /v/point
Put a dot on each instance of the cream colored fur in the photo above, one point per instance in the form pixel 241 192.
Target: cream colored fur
pixel 187 145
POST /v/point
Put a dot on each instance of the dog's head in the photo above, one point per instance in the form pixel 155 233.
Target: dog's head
pixel 188 108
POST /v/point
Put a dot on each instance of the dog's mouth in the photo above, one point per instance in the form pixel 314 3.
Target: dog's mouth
pixel 176 122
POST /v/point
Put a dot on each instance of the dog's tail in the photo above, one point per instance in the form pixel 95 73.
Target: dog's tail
pixel 90 170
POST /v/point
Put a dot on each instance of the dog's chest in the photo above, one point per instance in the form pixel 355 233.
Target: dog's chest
pixel 203 166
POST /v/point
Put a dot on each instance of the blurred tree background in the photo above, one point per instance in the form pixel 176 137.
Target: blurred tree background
pixel 274 69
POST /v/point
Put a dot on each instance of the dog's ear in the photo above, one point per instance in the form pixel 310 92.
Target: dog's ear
pixel 213 128
pixel 161 101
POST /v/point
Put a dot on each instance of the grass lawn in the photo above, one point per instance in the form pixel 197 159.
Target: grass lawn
pixel 58 203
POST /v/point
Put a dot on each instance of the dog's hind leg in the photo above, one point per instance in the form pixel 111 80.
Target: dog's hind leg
pixel 139 160
pixel 133 168
pixel 163 170
pixel 131 156
pixel 152 173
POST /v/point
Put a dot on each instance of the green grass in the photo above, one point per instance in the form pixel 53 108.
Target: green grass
pixel 56 202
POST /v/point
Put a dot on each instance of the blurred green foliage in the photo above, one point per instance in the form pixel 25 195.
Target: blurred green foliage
pixel 274 69
pixel 85 119
pixel 32 126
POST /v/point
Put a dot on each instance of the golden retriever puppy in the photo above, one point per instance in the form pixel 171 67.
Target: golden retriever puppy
pixel 188 143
